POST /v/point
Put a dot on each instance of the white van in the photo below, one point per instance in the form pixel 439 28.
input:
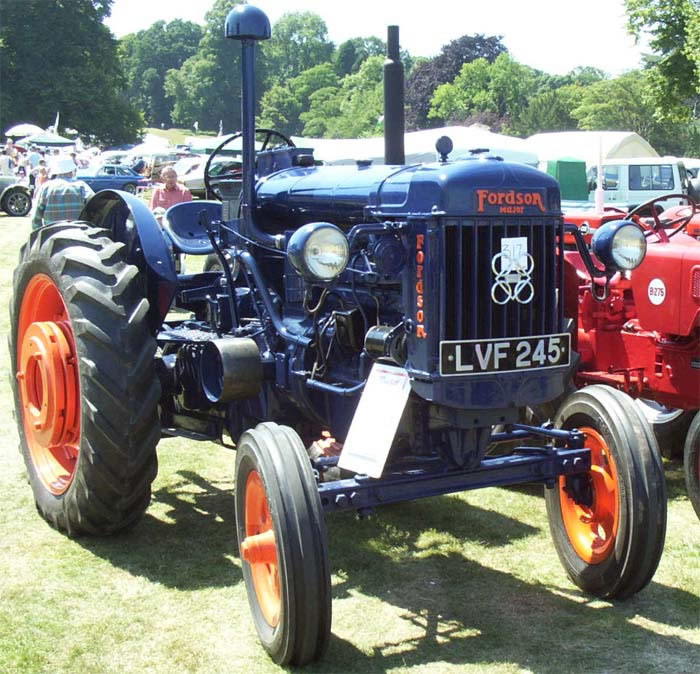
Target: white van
pixel 630 182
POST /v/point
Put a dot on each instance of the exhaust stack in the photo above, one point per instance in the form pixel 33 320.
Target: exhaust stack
pixel 394 122
pixel 249 25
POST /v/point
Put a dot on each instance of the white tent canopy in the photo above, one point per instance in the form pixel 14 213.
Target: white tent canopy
pixel 420 146
pixel 586 145
pixel 23 130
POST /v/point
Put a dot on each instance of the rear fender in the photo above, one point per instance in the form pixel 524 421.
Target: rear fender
pixel 132 223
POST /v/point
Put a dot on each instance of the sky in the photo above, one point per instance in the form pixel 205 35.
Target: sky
pixel 551 35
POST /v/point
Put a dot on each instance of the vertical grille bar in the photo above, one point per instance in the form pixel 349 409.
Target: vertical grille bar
pixel 468 310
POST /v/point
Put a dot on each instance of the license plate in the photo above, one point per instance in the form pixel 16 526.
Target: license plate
pixel 477 356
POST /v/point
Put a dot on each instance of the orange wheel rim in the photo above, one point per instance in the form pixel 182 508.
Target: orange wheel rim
pixel 48 384
pixel 592 529
pixel 259 549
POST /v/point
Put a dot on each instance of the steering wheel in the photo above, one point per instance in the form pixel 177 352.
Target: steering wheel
pixel 212 182
pixel 658 225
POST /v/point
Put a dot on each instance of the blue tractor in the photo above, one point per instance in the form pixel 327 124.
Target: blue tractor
pixel 412 315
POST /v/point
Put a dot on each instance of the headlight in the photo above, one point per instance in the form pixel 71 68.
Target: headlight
pixel 620 244
pixel 318 251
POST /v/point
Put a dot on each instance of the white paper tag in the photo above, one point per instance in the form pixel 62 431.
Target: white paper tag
pixel 513 257
pixel 376 419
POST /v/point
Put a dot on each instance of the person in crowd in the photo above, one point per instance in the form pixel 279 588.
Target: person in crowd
pixel 6 163
pixel 170 192
pixel 41 177
pixel 60 198
pixel 33 157
pixel 34 175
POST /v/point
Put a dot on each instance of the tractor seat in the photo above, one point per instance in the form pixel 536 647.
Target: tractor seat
pixel 181 223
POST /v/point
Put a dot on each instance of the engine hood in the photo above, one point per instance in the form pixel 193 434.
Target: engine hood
pixel 346 195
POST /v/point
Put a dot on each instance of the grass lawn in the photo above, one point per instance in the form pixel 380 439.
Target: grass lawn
pixel 176 136
pixel 465 583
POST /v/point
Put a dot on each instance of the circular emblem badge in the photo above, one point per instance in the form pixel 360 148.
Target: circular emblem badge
pixel 657 291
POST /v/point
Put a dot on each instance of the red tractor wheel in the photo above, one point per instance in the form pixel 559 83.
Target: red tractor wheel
pixel 608 525
pixel 282 541
pixel 691 463
pixel 85 387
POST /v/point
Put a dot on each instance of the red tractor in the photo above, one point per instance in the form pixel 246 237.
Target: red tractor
pixel 639 330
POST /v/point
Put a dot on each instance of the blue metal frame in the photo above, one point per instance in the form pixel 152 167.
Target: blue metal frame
pixel 430 478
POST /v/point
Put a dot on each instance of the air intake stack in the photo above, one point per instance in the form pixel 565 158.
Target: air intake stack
pixel 249 25
pixel 394 123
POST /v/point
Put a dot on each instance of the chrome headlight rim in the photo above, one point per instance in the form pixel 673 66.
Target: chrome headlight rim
pixel 620 245
pixel 319 251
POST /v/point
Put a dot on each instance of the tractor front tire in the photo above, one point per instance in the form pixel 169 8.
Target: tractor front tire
pixel 283 545
pixel 609 525
pixel 691 463
pixel 85 388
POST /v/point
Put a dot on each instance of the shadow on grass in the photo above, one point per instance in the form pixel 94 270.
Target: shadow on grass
pixel 188 550
pixel 454 609
pixel 462 612
pixel 675 481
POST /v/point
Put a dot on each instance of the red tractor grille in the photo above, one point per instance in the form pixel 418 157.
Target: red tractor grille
pixel 695 284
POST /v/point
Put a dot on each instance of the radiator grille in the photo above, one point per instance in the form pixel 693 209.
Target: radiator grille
pixel 468 309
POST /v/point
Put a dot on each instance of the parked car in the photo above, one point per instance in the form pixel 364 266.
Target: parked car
pixel 113 177
pixel 193 178
pixel 630 182
pixel 15 196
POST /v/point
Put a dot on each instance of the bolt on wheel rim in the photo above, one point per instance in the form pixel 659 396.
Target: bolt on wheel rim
pixel 259 549
pixel 48 384
pixel 592 529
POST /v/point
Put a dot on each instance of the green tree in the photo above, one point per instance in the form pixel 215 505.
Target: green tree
pixel 351 110
pixel 207 87
pixel 548 111
pixel 627 104
pixel 674 72
pixel 299 42
pixel 282 104
pixel 352 53
pixel 501 87
pixel 426 76
pixel 147 56
pixel 76 72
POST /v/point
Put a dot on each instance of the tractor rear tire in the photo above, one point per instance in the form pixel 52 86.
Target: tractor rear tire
pixel 283 544
pixel 691 463
pixel 609 528
pixel 86 392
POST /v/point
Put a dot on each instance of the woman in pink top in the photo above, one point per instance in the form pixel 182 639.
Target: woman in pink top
pixel 170 192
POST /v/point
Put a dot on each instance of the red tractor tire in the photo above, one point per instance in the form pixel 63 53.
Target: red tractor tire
pixel 85 388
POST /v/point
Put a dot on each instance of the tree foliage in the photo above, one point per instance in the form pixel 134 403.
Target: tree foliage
pixel 147 56
pixel 502 88
pixel 76 72
pixel 674 74
pixel 206 89
pixel 352 53
pixel 427 76
pixel 351 110
pixel 282 104
pixel 299 41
